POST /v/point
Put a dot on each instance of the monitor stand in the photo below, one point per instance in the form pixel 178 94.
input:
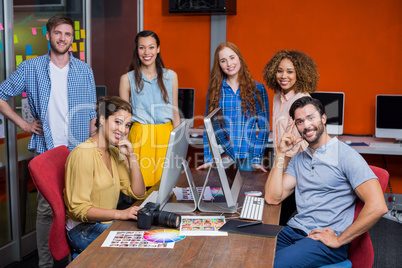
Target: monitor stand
pixel 182 207
pixel 228 193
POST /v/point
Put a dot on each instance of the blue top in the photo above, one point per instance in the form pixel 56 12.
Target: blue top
pixel 148 105
pixel 243 130
pixel 33 77
pixel 325 186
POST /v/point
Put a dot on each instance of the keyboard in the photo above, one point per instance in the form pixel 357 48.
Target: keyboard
pixel 253 208
pixel 386 145
pixel 151 198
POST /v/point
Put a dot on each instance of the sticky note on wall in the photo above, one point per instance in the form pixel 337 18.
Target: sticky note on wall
pixel 77 25
pixel 44 30
pixel 82 47
pixel 15 39
pixel 74 46
pixel 82 33
pixel 77 35
pixel 28 49
pixel 18 59
pixel 82 55
pixel 34 31
pixel 1 27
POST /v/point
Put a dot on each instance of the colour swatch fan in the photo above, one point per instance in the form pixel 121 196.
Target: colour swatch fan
pixel 163 236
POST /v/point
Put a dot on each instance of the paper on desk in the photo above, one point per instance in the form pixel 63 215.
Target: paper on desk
pixel 26 111
pixel 132 239
pixel 183 194
pixel 202 225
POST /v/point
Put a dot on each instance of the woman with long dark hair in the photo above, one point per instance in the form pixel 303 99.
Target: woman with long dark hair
pixel 152 90
pixel 97 170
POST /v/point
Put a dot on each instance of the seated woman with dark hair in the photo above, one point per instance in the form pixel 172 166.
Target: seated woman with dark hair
pixel 97 170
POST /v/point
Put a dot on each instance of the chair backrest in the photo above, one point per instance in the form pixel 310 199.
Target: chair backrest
pixel 361 252
pixel 48 172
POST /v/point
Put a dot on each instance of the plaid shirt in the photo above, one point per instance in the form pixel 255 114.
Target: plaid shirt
pixel 33 77
pixel 242 130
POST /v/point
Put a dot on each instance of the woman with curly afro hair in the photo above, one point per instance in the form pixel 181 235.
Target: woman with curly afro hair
pixel 291 75
pixel 244 104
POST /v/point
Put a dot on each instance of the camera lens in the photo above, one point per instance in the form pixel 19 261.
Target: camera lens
pixel 168 219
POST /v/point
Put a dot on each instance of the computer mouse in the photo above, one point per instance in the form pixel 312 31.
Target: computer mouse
pixel 348 142
pixel 253 193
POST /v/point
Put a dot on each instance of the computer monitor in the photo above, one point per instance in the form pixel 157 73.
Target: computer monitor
pixel 334 103
pixel 101 91
pixel 175 162
pixel 223 162
pixel 186 104
pixel 388 117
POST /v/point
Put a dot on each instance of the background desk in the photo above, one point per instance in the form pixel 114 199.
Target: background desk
pixel 197 147
pixel 202 251
pixel 24 155
pixel 371 150
pixel 23 152
pixel 197 141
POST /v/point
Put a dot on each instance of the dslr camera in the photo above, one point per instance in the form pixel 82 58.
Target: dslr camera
pixel 151 215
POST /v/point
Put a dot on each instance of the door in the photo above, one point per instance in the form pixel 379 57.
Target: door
pixel 22 36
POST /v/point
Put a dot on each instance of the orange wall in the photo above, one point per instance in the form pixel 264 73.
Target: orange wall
pixel 356 44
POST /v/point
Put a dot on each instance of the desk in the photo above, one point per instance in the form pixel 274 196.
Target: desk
pixel 196 139
pixel 195 155
pixel 202 251
pixel 371 150
pixel 24 155
pixel 23 152
pixel 197 142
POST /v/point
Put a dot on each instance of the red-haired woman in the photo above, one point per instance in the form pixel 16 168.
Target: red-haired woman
pixel 244 104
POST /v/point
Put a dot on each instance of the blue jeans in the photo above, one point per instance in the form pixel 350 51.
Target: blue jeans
pixel 245 164
pixel 84 234
pixel 294 249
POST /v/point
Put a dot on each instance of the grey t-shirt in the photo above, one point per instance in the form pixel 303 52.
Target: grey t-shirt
pixel 325 186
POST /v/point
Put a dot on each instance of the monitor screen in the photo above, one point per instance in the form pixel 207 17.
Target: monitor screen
pixel 221 132
pixel 203 7
pixel 223 164
pixel 186 103
pixel 334 103
pixel 388 119
pixel 100 91
pixel 175 162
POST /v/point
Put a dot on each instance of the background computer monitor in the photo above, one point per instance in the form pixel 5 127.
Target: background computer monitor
pixel 175 162
pixel 186 103
pixel 101 91
pixel 334 103
pixel 220 145
pixel 388 116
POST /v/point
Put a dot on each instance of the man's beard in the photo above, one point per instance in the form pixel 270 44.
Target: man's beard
pixel 319 131
pixel 56 50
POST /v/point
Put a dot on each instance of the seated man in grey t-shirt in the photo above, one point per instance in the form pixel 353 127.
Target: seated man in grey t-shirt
pixel 327 178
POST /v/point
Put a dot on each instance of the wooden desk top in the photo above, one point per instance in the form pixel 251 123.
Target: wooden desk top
pixel 194 251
